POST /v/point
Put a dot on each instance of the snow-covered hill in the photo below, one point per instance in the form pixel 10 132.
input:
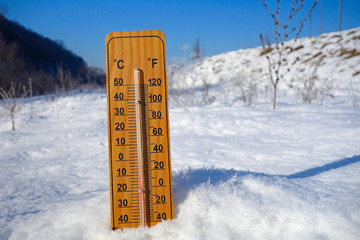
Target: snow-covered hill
pixel 331 61
pixel 337 55
pixel 247 173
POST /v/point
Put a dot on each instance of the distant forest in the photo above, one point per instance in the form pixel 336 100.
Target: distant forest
pixel 26 55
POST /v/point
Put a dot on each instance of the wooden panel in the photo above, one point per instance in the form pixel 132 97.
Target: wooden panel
pixel 138 127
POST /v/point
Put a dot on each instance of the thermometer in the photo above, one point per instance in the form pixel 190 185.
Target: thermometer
pixel 138 129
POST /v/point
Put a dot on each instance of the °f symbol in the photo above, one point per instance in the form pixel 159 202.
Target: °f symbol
pixel 153 61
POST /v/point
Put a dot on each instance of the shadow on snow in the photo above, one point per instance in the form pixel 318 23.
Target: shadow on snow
pixel 184 181
pixel 327 167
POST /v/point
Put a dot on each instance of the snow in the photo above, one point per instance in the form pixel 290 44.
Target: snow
pixel 238 172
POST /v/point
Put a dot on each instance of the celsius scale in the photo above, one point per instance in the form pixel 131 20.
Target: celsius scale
pixel 138 129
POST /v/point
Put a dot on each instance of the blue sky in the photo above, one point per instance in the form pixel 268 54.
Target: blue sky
pixel 220 25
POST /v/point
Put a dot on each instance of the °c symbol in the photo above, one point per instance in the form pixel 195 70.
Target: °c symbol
pixel 120 64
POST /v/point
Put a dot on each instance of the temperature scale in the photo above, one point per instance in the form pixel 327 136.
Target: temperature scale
pixel 138 128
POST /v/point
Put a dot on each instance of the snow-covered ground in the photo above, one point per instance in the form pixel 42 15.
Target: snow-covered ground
pixel 238 172
pixel 247 173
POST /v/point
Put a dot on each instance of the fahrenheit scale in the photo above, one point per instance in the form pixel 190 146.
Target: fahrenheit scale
pixel 138 127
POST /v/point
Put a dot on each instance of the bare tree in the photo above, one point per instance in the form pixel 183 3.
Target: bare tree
pixel 321 15
pixel 354 93
pixel 95 76
pixel 196 49
pixel 241 88
pixel 340 6
pixel 283 31
pixel 181 92
pixel 207 99
pixel 310 87
pixel 31 95
pixel 309 90
pixel 310 23
pixel 67 82
pixel 10 100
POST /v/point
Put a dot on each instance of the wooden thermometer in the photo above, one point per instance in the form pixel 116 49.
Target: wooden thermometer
pixel 138 127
